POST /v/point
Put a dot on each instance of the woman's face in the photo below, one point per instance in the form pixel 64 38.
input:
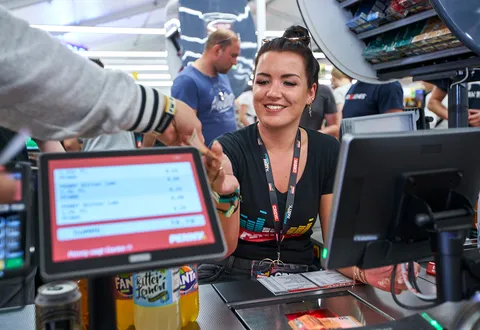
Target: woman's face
pixel 280 89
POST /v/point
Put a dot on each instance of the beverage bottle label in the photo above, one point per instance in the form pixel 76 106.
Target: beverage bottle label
pixel 154 288
pixel 123 287
pixel 188 280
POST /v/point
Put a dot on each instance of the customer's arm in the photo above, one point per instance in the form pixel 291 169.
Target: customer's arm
pixel 57 94
pixel 435 102
pixel 49 146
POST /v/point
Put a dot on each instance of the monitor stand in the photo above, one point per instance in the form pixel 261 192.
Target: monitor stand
pixel 101 304
pixel 429 201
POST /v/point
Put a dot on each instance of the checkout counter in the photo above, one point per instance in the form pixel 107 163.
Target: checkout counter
pixel 249 305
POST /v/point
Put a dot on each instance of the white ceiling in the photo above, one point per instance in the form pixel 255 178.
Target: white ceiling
pixel 125 13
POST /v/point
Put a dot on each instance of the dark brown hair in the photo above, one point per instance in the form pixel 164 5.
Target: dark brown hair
pixel 295 39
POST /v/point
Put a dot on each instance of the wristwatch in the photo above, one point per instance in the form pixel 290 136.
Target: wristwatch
pixel 168 114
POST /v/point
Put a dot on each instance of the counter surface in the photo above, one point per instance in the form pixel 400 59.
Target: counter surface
pixel 214 314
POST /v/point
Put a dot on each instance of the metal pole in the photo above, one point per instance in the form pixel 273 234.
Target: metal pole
pixel 458 103
pixel 261 21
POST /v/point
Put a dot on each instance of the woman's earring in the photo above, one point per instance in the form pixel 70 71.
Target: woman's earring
pixel 309 107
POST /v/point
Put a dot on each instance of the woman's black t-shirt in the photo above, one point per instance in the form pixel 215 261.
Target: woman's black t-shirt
pixel 257 234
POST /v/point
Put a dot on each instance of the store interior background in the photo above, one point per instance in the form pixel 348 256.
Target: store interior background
pixel 127 51
pixel 144 14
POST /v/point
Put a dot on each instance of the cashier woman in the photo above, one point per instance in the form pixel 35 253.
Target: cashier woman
pixel 284 172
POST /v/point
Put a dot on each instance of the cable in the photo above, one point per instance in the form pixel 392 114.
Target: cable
pixel 412 289
pixel 411 276
pixel 461 81
pixel 394 296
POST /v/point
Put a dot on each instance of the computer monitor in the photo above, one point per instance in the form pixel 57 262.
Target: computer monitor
pixel 389 186
pixel 390 122
pixel 105 213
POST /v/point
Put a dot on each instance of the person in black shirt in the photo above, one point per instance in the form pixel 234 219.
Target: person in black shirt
pixel 273 160
pixel 322 109
pixel 440 91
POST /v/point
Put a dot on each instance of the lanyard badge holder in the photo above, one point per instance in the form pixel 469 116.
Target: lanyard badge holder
pixel 269 267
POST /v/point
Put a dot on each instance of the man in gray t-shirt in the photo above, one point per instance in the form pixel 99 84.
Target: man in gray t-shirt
pixel 323 109
pixel 117 141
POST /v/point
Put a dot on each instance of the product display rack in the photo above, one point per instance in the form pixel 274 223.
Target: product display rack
pixel 378 42
pixel 345 45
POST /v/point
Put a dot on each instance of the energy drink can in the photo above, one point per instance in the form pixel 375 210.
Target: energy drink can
pixel 58 306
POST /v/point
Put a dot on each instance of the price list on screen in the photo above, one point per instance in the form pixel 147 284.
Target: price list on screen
pixel 109 193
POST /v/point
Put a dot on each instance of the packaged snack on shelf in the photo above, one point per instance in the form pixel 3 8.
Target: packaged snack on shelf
pixel 395 11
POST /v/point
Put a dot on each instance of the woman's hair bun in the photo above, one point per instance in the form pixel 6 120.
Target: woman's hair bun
pixel 297 31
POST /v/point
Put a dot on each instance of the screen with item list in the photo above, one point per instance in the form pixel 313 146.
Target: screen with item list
pixel 109 206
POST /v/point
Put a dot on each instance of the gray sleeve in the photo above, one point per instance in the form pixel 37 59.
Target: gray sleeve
pixel 56 93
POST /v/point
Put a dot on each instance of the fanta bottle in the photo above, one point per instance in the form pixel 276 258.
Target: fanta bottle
pixel 189 300
pixel 124 301
pixel 156 294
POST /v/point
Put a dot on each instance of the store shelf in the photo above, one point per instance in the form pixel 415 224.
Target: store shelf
pixel 348 3
pixel 422 58
pixel 397 24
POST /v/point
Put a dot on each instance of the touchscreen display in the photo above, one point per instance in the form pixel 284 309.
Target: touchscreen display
pixel 11 239
pixel 108 206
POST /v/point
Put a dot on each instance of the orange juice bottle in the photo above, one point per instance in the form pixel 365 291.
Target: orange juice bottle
pixel 82 285
pixel 124 301
pixel 189 300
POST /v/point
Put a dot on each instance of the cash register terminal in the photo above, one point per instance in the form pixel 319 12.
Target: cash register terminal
pixel 402 197
pixel 107 213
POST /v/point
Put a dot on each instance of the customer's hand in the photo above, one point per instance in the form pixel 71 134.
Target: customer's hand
pixel 381 278
pixel 182 126
pixel 220 173
pixel 474 118
pixel 7 189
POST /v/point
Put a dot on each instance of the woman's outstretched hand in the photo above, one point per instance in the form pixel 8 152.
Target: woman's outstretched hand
pixel 220 172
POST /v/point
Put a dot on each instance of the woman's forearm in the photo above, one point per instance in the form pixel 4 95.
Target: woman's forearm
pixel 230 226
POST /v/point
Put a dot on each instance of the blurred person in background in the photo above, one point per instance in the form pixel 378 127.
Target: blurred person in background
pixel 322 115
pixel 364 99
pixel 205 87
pixel 341 83
pixel 123 140
pixel 440 92
pixel 245 110
pixel 438 122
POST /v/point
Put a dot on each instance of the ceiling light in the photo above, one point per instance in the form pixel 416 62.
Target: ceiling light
pixel 101 53
pixel 163 83
pixel 318 55
pixel 99 29
pixel 274 34
pixel 138 67
pixel 150 76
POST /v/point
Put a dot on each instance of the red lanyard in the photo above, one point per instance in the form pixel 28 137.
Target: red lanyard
pixel 281 228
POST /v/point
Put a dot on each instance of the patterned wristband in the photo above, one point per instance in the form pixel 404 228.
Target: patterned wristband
pixel 170 111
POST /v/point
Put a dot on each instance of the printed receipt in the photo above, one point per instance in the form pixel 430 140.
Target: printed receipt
pixel 325 279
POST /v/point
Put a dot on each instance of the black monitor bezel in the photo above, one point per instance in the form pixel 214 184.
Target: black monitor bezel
pixel 341 229
pixel 112 265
